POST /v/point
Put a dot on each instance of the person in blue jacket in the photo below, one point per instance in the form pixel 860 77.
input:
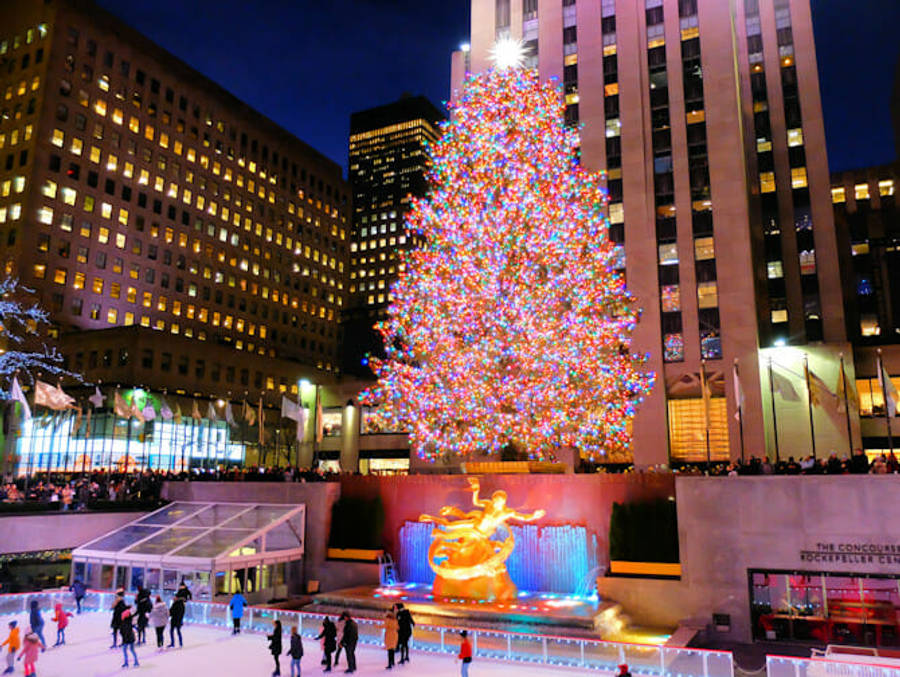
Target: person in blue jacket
pixel 37 623
pixel 237 605
pixel 78 589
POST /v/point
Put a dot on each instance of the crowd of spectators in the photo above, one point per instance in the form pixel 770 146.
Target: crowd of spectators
pixel 857 464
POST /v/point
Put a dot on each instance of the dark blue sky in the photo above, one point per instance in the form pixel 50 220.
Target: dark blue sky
pixel 308 64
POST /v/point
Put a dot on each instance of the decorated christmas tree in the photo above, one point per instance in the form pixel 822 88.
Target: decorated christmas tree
pixel 511 325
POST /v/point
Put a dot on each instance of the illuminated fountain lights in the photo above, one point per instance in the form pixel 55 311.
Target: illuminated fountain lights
pixel 512 324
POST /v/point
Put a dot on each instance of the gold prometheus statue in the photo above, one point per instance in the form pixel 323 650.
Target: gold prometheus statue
pixel 465 559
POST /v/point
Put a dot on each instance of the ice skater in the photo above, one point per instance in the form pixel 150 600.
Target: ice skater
pixel 159 617
pixel 351 636
pixel 405 625
pixel 116 619
pixel 126 630
pixel 237 605
pixel 465 653
pixel 37 623
pixel 144 607
pixel 61 618
pixel 12 644
pixel 31 650
pixel 328 637
pixel 78 589
pixel 295 651
pixel 176 618
pixel 390 637
pixel 275 646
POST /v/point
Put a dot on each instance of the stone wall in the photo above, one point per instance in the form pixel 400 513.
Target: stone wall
pixel 58 530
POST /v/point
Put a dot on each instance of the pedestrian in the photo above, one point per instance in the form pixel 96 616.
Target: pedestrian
pixel 61 618
pixel 176 619
pixel 405 625
pixel 118 607
pixel 623 671
pixel 275 646
pixel 126 630
pixel 237 605
pixel 143 607
pixel 159 617
pixel 78 589
pixel 328 635
pixel 465 653
pixel 339 642
pixel 390 637
pixel 351 636
pixel 183 592
pixel 12 644
pixel 295 651
pixel 36 621
pixel 31 649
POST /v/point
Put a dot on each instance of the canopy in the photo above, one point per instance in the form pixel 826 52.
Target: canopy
pixel 204 537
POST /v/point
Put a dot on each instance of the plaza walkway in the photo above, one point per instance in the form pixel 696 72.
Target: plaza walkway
pixel 214 651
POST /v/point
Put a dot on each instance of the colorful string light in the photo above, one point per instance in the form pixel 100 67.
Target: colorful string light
pixel 511 325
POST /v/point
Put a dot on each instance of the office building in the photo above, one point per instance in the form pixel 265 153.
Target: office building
pixel 706 116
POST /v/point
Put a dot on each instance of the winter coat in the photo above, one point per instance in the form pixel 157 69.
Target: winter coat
pixel 12 641
pixel 159 615
pixel 32 648
pixel 117 613
pixel 60 617
pixel 237 605
pixel 329 634
pixel 275 643
pixel 405 623
pixel 296 650
pixel 390 632
pixel 126 629
pixel 176 613
pixel 351 633
pixel 35 620
pixel 78 589
pixel 144 607
pixel 183 592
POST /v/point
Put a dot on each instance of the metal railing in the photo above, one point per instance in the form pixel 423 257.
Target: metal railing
pixel 789 666
pixel 577 652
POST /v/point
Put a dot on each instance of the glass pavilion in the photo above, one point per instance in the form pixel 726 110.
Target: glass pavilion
pixel 216 548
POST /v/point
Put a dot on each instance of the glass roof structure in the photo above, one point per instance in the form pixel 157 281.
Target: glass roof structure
pixel 204 537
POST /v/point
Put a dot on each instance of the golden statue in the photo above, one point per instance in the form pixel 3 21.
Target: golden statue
pixel 467 563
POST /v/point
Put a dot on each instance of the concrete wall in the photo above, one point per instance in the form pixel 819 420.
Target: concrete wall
pixel 57 531
pixel 727 526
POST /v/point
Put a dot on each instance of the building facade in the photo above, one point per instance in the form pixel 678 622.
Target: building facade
pixel 137 195
pixel 707 118
pixel 388 161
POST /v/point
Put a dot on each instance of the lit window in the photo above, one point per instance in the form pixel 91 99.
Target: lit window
pixel 112 315
pixel 779 316
pixel 673 347
pixel 97 285
pixel 670 298
pixel 112 162
pixel 100 107
pixel 58 138
pixel 861 190
pixel 668 254
pixel 59 276
pixel 77 146
pixel 103 83
pixel 763 145
pixel 795 136
pixel 774 270
pixel 838 195
pixel 695 116
pixel 886 187
pixel 69 195
pixel 613 127
pixel 88 204
pixel 808 262
pixel 106 210
pixel 48 190
pixel 117 116
pixel 707 294
pixel 103 235
pixel 45 215
pixel 798 177
pixel 95 154
pixel 78 282
pixel 767 182
pixel 120 240
pixel 704 248
pixel 123 218
pixel 40 271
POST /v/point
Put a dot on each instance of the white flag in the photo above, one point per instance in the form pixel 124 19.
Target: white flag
pixel 165 410
pixel 784 387
pixel 302 417
pixel 229 414
pixel 97 398
pixel 211 413
pixel 738 392
pixel 17 395
pixel 289 409
pixel 891 398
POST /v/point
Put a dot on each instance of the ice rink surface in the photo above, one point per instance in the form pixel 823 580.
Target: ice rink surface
pixel 214 652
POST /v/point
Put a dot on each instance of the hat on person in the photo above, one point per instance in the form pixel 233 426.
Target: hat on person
pixel 464 633
pixel 623 667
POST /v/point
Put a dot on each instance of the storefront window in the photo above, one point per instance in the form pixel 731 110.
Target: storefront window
pixel 331 422
pixel 370 424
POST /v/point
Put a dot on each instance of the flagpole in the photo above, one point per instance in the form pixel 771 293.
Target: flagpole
pixel 208 434
pixel 847 407
pixel 884 393
pixel 740 409
pixel 809 401
pixel 72 431
pixel 704 394
pixel 774 410
pixel 29 466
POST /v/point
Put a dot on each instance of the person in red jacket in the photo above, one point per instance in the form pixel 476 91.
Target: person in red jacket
pixel 61 618
pixel 465 653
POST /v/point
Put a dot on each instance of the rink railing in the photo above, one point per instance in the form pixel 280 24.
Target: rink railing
pixel 789 666
pixel 575 652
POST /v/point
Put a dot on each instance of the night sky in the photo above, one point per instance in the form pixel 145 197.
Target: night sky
pixel 308 64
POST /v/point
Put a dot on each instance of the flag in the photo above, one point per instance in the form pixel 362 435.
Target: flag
pixel 52 397
pixel 319 422
pixel 891 397
pixel 211 413
pixel 149 412
pixel 165 410
pixel 784 387
pixel 122 410
pixel 176 415
pixel 136 410
pixel 97 398
pixel 845 391
pixel 77 426
pixel 261 420
pixel 249 414
pixel 17 395
pixel 301 424
pixel 738 391
pixel 818 390
pixel 229 414
pixel 195 411
pixel 87 426
pixel 289 409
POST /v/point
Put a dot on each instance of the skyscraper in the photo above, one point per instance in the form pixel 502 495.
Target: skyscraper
pixel 707 118
pixel 387 164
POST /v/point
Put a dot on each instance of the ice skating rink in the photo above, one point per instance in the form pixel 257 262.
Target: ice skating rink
pixel 214 652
